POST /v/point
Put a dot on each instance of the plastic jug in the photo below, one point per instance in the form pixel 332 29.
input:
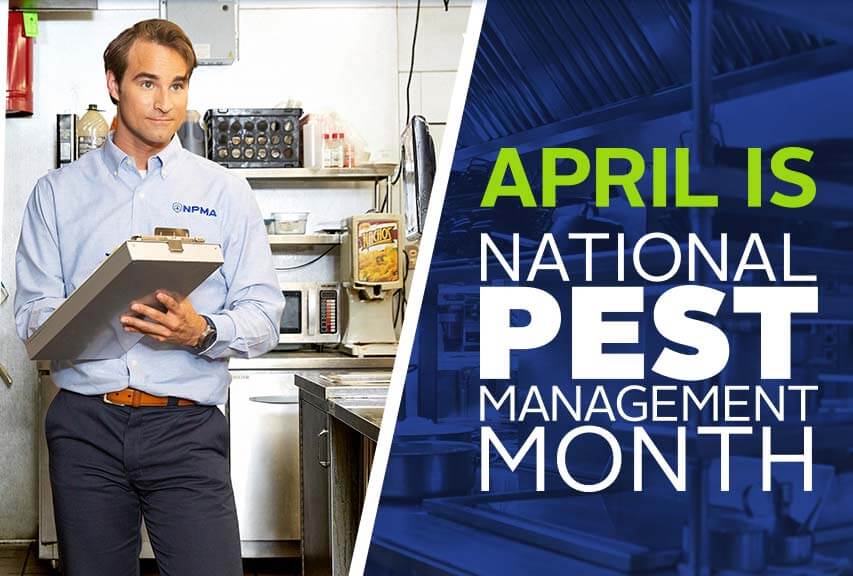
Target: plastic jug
pixel 92 130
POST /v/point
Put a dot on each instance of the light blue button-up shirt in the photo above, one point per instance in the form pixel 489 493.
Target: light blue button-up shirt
pixel 78 214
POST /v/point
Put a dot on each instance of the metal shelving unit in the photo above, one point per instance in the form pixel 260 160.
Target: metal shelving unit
pixel 366 173
pixel 303 239
pixel 379 174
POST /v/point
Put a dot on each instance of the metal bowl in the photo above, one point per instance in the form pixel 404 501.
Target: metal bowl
pixel 418 470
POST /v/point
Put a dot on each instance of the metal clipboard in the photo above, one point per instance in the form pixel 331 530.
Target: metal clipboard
pixel 86 325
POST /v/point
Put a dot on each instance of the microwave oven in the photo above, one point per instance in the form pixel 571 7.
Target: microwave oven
pixel 311 314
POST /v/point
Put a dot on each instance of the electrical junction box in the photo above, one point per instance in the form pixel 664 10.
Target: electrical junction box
pixel 210 24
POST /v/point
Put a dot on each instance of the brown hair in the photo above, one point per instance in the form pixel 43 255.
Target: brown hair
pixel 158 31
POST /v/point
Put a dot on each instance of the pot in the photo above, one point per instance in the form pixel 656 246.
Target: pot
pixel 738 547
pixel 792 549
pixel 429 469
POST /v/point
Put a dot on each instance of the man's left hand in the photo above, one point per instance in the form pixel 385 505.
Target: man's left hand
pixel 179 324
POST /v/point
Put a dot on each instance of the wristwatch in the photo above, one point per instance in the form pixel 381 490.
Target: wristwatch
pixel 208 337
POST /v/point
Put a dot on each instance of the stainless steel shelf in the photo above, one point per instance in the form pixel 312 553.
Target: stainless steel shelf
pixel 368 173
pixel 303 239
pixel 54 5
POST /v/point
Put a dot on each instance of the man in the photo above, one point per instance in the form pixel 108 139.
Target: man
pixel 140 436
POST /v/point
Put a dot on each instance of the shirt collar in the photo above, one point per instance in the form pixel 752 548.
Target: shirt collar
pixel 115 156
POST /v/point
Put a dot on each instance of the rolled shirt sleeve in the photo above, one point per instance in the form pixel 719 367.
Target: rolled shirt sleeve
pixel 40 285
pixel 248 324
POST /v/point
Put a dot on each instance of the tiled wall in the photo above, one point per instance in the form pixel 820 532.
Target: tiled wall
pixel 440 37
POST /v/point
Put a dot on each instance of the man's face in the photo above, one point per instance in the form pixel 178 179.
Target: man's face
pixel 152 97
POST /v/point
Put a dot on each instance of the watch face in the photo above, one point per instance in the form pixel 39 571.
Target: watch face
pixel 208 336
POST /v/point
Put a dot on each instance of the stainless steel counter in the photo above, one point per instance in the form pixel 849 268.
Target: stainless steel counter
pixel 340 415
pixel 472 551
pixel 324 386
pixel 310 361
pixel 364 415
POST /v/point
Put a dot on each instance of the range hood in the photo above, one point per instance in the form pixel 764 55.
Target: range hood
pixel 580 68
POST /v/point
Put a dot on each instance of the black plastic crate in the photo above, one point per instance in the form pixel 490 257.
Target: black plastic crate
pixel 254 137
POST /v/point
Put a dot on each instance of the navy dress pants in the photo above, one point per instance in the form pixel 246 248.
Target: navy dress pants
pixel 111 466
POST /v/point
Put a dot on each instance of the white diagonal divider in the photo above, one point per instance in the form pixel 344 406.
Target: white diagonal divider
pixel 410 324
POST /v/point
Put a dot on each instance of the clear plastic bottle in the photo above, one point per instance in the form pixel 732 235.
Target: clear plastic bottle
pixel 92 130
pixel 337 150
pixel 327 150
pixel 349 156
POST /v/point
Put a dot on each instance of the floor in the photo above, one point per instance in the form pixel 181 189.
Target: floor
pixel 21 559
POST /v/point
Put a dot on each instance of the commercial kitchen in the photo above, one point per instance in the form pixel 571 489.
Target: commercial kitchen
pixel 716 77
pixel 281 84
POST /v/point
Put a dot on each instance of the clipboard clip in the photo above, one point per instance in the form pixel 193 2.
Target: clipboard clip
pixel 173 237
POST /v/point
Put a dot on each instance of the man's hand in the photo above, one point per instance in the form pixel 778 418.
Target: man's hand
pixel 179 324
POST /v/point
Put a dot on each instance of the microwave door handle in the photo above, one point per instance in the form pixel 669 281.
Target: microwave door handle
pixel 313 297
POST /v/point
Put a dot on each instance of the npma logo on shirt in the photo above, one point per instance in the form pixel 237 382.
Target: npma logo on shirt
pixel 178 208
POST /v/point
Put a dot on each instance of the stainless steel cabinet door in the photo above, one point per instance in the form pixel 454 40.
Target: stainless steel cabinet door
pixel 315 450
pixel 263 412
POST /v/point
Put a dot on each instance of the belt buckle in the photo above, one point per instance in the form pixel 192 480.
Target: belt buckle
pixel 108 401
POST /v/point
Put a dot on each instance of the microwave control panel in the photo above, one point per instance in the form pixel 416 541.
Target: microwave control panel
pixel 328 311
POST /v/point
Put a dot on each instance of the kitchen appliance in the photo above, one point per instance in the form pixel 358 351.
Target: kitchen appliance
pixel 263 415
pixel 372 266
pixel 66 139
pixel 254 137
pixel 418 173
pixel 311 314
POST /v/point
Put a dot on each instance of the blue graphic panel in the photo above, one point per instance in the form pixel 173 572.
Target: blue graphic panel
pixel 639 304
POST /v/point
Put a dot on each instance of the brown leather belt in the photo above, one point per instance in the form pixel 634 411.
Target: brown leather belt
pixel 137 398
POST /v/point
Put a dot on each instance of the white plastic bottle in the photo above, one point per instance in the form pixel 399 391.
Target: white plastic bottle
pixel 312 144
